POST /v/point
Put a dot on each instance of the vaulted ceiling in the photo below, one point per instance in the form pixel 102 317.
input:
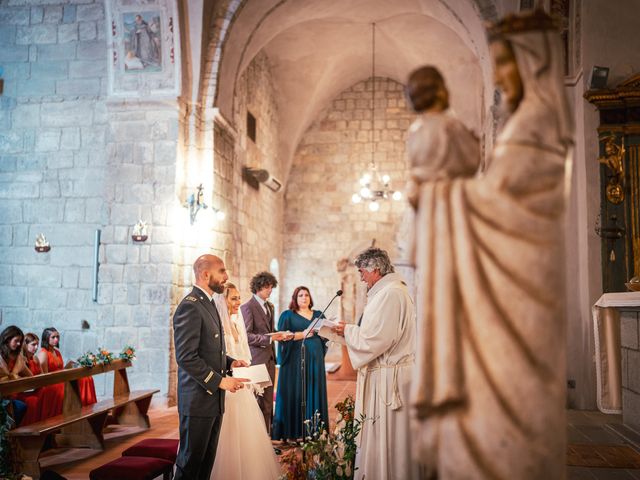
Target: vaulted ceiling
pixel 318 48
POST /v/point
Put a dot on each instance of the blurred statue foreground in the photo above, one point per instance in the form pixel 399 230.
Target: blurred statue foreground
pixel 489 384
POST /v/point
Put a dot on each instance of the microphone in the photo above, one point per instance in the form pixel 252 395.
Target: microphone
pixel 303 374
pixel 313 324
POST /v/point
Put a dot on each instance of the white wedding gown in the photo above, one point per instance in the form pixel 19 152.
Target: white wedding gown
pixel 244 448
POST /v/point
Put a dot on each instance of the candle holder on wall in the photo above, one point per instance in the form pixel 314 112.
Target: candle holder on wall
pixel 139 233
pixel 42 245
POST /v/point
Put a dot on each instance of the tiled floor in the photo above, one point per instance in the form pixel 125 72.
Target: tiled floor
pixel 584 427
pixel 595 428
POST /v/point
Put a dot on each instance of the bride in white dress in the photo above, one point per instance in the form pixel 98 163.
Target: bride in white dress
pixel 244 448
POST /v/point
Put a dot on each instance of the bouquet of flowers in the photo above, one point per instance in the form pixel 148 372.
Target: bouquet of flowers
pixel 128 353
pixel 326 456
pixel 104 356
pixel 87 360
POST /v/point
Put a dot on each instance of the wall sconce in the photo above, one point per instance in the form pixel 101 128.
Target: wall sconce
pixel 42 245
pixel 194 203
pixel 139 233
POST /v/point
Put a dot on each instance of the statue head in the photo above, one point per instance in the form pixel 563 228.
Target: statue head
pixel 506 73
pixel 427 91
pixel 529 69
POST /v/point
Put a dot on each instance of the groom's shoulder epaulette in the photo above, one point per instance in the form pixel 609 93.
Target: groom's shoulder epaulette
pixel 191 298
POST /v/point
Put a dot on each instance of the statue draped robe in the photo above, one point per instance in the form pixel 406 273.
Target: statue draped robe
pixel 489 388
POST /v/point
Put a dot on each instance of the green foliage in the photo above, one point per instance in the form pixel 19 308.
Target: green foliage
pixel 6 423
pixel 128 353
pixel 324 455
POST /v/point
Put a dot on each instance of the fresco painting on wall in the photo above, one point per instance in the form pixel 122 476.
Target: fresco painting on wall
pixel 143 49
pixel 142 41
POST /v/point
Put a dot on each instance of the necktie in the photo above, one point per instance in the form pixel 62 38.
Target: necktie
pixel 269 306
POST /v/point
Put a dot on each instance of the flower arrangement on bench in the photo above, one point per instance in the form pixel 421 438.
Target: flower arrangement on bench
pixel 325 455
pixel 105 357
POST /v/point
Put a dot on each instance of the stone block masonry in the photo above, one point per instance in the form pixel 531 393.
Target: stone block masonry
pixel 73 161
pixel 630 357
pixel 322 225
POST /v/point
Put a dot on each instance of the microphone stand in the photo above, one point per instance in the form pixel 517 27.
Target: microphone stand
pixel 303 370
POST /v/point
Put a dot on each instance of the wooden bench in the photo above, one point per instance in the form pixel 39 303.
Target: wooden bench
pixel 78 426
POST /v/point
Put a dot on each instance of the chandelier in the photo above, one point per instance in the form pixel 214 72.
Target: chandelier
pixel 374 186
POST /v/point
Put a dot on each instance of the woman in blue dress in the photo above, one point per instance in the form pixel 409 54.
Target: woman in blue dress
pixel 287 422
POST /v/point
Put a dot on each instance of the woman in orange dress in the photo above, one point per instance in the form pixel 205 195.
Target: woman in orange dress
pixel 33 399
pixel 14 366
pixel 50 360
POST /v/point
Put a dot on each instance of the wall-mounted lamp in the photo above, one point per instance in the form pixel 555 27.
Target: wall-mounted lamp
pixel 194 203
pixel 139 233
pixel 255 176
pixel 42 245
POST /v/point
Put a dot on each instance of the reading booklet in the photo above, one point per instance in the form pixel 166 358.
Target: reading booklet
pixel 256 374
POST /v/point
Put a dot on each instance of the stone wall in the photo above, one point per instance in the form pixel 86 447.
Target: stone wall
pixel 258 213
pixel 72 162
pixel 322 225
pixel 630 357
pixel 609 34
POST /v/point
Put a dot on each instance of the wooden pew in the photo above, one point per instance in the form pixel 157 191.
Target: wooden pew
pixel 78 426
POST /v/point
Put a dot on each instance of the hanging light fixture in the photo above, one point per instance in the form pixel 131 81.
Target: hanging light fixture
pixel 374 187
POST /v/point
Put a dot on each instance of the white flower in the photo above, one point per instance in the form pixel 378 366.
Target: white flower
pixel 339 470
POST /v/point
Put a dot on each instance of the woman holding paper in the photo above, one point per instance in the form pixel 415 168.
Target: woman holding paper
pixel 244 448
pixel 287 422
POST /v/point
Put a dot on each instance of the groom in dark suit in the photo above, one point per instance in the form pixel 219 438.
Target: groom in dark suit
pixel 202 371
pixel 259 319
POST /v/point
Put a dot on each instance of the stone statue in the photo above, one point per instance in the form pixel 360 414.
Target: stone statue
pixel 489 387
pixel 439 146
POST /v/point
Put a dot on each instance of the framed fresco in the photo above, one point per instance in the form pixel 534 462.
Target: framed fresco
pixel 143 48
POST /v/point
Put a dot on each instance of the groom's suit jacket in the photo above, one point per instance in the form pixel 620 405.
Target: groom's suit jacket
pixel 201 356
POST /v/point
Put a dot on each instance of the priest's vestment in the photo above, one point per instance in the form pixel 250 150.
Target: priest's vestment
pixel 382 350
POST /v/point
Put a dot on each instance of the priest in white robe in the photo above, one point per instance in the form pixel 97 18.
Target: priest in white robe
pixel 381 347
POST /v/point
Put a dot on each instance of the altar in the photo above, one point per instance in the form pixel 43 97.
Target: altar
pixel 617 357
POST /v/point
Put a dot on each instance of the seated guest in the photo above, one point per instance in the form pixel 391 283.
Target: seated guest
pixel 33 399
pixel 287 423
pixel 12 363
pixel 29 349
pixel 51 360
pixel 13 366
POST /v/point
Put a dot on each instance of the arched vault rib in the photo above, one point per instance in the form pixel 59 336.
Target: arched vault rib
pixel 279 27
